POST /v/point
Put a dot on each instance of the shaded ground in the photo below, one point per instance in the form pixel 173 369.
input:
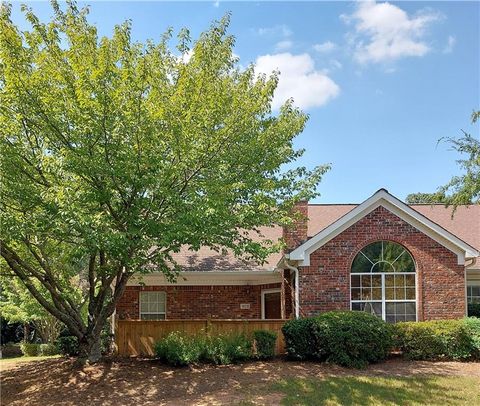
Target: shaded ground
pixel 147 382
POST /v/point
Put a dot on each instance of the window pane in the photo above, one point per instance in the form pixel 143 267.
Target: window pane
pixel 377 293
pixel 355 281
pixel 399 293
pixel 389 281
pixel 389 293
pixel 373 251
pixel 392 251
pixel 377 280
pixel 366 281
pixel 356 294
pixel 399 281
pixel 366 293
pixel 369 307
pixel 410 294
pixel 410 280
pixel 361 264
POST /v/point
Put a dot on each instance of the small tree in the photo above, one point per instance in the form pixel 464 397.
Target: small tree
pixel 117 153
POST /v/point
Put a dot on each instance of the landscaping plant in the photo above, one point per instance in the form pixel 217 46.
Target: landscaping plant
pixel 265 343
pixel 179 349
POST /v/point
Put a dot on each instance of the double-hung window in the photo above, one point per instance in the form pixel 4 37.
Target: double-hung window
pixel 153 305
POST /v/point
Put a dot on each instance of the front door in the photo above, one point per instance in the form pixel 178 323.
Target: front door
pixel 272 307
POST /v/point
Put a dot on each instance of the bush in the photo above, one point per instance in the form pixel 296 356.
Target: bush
pixel 68 345
pixel 48 349
pixel 351 339
pixel 178 349
pixel 474 310
pixel 265 343
pixel 29 349
pixel 223 350
pixel 11 350
pixel 238 347
pixel 439 339
pixel 299 339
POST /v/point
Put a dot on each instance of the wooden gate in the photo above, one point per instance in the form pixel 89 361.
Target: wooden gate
pixel 138 337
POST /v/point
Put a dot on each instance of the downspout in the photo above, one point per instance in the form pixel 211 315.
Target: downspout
pixel 297 286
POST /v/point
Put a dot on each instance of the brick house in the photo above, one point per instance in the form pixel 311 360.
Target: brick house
pixel 397 261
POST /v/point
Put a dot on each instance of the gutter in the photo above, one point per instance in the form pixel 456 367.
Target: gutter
pixel 297 286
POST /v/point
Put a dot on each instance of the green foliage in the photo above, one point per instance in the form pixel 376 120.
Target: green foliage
pixel 48 349
pixel 68 345
pixel 10 350
pixel 226 349
pixel 179 349
pixel 439 339
pixel 30 349
pixel 265 343
pixel 110 147
pixel 474 309
pixel 424 198
pixel 351 339
pixel 299 339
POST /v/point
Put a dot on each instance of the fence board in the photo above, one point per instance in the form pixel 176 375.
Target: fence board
pixel 138 337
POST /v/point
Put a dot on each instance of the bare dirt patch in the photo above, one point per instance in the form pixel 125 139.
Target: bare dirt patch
pixel 148 382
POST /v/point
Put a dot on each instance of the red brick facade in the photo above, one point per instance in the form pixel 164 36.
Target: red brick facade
pixel 200 302
pixel 325 284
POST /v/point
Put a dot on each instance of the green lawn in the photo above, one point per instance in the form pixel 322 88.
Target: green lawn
pixel 373 390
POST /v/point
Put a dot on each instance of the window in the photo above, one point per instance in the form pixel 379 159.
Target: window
pixel 382 282
pixel 473 293
pixel 152 305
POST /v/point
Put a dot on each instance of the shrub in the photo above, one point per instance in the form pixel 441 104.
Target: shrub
pixel 48 349
pixel 223 350
pixel 265 343
pixel 347 338
pixel 29 349
pixel 299 339
pixel 474 309
pixel 11 350
pixel 439 339
pixel 351 338
pixel 178 349
pixel 68 345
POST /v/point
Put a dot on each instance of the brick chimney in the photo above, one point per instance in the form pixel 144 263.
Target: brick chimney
pixel 296 234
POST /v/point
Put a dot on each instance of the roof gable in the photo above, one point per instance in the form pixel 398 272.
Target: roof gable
pixel 397 207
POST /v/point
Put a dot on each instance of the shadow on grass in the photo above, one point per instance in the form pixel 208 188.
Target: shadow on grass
pixel 362 390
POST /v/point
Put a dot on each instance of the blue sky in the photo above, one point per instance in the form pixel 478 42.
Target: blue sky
pixel 382 82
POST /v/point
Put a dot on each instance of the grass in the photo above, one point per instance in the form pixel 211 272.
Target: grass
pixel 17 360
pixel 376 390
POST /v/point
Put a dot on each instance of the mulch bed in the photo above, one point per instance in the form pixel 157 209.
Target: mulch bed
pixel 148 382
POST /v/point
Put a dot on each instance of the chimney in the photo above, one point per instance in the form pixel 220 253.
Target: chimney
pixel 296 233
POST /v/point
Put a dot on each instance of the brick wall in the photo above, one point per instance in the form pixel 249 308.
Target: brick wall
pixel 325 284
pixel 199 302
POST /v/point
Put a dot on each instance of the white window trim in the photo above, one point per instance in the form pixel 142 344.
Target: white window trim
pixel 469 284
pixel 384 301
pixel 266 291
pixel 140 305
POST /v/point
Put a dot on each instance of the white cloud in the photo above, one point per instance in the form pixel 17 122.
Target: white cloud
pixel 283 45
pixel 298 80
pixel 216 3
pixel 385 32
pixel 277 30
pixel 450 45
pixel 327 46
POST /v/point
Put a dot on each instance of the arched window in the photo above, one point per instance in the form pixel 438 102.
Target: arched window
pixel 383 282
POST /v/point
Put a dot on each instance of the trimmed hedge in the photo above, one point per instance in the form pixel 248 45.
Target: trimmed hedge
pixel 474 309
pixel 265 343
pixel 347 338
pixel 30 349
pixel 439 339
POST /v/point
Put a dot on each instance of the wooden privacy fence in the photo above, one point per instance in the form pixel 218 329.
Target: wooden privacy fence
pixel 138 337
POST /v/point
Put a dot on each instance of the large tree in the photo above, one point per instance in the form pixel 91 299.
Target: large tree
pixel 462 189
pixel 115 153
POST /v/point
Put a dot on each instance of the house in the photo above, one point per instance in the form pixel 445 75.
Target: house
pixel 400 262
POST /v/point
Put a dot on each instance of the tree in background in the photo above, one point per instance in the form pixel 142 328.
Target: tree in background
pixel 463 189
pixel 18 305
pixel 115 153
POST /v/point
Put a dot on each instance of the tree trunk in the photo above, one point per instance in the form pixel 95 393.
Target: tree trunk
pixel 90 349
